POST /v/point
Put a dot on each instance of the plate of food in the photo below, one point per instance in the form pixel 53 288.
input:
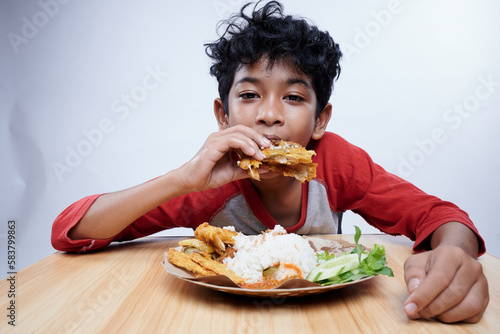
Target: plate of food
pixel 272 264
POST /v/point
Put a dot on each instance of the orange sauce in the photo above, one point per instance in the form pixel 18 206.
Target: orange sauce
pixel 269 282
pixel 294 267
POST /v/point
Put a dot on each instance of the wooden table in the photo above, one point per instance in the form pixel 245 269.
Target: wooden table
pixel 125 289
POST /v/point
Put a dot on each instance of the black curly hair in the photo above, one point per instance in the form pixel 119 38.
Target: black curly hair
pixel 278 37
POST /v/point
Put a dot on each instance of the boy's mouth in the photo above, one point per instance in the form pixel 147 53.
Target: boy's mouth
pixel 272 137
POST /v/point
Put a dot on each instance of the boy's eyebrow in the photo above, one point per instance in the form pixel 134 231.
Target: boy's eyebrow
pixel 291 81
pixel 299 81
pixel 247 79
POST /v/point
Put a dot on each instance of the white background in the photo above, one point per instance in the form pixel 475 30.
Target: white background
pixel 67 68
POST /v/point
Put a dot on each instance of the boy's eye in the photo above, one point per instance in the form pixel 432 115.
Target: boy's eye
pixel 248 96
pixel 294 98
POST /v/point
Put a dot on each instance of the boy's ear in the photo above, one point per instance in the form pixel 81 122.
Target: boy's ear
pixel 321 122
pixel 220 114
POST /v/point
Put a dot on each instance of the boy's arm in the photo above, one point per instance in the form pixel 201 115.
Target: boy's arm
pixel 211 167
pixel 447 282
pixel 111 213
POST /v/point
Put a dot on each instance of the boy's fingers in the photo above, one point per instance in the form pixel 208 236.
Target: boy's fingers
pixel 415 273
pixel 427 276
pixel 474 303
pixel 245 144
pixel 455 292
pixel 466 294
pixel 439 274
pixel 415 270
pixel 258 138
pixel 450 290
pixel 244 138
pixel 217 145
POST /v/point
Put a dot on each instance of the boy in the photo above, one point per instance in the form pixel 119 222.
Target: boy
pixel 275 76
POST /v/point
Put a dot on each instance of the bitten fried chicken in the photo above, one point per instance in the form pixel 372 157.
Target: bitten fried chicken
pixel 282 157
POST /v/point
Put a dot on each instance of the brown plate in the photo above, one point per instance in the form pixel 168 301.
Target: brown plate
pixel 290 288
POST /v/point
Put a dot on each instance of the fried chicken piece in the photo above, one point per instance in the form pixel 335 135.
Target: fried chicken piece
pixel 301 172
pixel 200 265
pixel 229 252
pixel 198 244
pixel 216 267
pixel 287 152
pixel 282 157
pixel 251 165
pixel 185 261
pixel 215 236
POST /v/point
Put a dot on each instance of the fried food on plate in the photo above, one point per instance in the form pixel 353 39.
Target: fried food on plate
pixel 215 236
pixel 267 260
pixel 201 264
pixel 282 157
pixel 203 256
pixel 197 244
pixel 184 260
pixel 217 267
pixel 199 257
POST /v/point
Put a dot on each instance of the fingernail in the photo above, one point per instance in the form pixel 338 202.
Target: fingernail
pixel 413 284
pixel 410 308
pixel 265 142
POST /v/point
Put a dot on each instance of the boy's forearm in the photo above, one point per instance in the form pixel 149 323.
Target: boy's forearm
pixel 456 234
pixel 111 213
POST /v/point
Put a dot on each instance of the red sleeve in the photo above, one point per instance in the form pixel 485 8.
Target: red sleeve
pixel 66 221
pixel 384 200
pixel 154 221
pixel 188 210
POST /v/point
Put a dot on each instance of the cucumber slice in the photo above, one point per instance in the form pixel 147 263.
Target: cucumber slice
pixel 334 267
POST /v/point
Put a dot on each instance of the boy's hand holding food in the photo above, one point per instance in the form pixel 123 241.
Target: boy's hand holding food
pixel 214 165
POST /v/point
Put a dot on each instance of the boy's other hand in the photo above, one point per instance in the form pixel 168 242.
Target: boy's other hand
pixel 214 165
pixel 445 283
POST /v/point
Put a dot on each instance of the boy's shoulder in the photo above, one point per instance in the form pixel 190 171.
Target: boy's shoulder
pixel 336 155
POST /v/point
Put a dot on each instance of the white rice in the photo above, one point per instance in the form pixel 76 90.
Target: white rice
pixel 256 253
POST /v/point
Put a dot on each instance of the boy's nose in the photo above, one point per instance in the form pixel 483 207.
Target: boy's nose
pixel 270 113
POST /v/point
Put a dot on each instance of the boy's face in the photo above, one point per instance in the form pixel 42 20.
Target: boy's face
pixel 276 101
